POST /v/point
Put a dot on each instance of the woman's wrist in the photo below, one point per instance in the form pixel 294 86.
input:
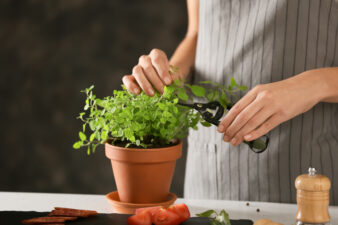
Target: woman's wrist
pixel 323 82
pixel 184 56
pixel 318 85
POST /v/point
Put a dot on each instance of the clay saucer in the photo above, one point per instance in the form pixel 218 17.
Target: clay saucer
pixel 129 208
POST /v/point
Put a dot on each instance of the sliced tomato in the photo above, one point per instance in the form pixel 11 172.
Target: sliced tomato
pixel 181 210
pixel 142 218
pixel 151 210
pixel 165 217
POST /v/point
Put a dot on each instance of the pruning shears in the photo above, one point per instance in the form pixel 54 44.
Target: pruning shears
pixel 207 111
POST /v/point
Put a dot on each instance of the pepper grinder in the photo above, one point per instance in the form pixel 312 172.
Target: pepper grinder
pixel 313 197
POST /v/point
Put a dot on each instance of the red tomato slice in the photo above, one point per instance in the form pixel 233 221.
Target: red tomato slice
pixel 143 218
pixel 181 210
pixel 151 210
pixel 165 217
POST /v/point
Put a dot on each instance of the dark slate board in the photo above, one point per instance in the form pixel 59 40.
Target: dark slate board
pixel 15 217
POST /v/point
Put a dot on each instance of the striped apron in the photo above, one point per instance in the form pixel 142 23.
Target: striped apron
pixel 263 41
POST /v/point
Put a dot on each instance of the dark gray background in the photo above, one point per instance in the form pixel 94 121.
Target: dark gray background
pixel 50 50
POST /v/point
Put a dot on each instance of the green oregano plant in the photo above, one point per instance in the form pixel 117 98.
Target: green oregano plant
pixel 141 121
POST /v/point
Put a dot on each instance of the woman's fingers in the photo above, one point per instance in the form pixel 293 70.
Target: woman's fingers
pixel 257 120
pixel 150 73
pixel 268 125
pixel 242 119
pixel 235 110
pixel 142 80
pixel 131 84
pixel 161 64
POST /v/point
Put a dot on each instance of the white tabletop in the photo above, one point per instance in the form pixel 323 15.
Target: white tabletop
pixel 283 213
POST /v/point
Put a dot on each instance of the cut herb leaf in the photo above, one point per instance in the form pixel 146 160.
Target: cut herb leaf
pixel 224 216
pixel 207 213
pixel 221 218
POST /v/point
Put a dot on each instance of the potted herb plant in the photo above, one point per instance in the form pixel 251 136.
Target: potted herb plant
pixel 142 134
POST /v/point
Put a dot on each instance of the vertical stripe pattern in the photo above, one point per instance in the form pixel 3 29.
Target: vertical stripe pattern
pixel 263 41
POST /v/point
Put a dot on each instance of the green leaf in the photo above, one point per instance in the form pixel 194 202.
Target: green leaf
pixel 86 107
pixel 92 137
pixel 216 97
pixel 77 145
pixel 91 88
pixel 128 133
pixel 224 217
pixel 162 106
pixel 120 133
pixel 178 82
pixel 132 138
pixel 167 114
pixel 165 90
pixel 206 82
pixel 82 136
pixel 104 133
pixel 232 83
pixel 198 90
pixel 182 94
pixel 242 87
pixel 81 115
pixel 205 123
pixel 168 91
pixel 207 213
pixel 224 100
pixel 215 222
pixel 127 145
pixel 210 96
pixel 92 125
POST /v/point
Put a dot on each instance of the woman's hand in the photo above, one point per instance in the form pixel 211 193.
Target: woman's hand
pixel 268 105
pixel 151 72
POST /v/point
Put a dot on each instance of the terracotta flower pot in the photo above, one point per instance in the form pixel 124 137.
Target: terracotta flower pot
pixel 143 175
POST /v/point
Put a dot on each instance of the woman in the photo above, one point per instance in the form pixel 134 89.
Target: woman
pixel 286 52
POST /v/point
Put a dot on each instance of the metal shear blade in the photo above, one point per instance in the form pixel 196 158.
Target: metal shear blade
pixel 205 110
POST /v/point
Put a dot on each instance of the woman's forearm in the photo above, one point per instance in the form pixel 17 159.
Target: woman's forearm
pixel 184 55
pixel 153 72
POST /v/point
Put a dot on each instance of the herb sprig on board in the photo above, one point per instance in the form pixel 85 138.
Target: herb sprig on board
pixel 147 122
pixel 221 218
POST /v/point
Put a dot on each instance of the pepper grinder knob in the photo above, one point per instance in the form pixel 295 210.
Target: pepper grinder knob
pixel 313 197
